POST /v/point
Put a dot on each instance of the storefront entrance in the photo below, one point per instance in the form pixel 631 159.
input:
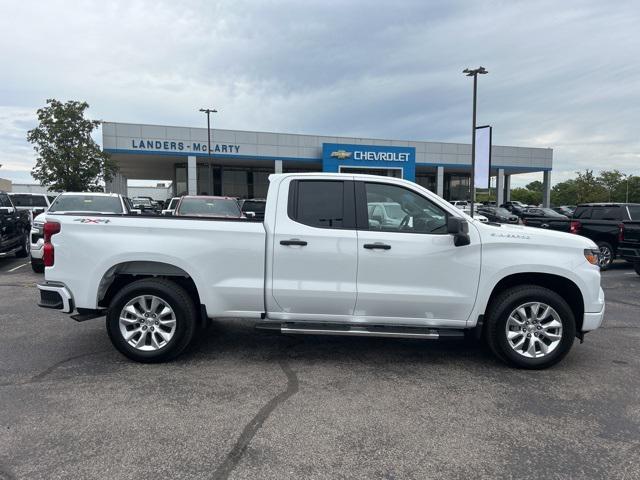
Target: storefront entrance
pixel 383 172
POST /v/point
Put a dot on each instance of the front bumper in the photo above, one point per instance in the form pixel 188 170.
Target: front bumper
pixel 593 320
pixel 57 296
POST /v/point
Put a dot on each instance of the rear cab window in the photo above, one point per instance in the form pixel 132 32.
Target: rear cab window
pixel 86 204
pixel 582 212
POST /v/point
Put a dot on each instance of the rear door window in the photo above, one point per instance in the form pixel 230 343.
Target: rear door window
pixel 322 203
pixel 607 213
pixel 634 212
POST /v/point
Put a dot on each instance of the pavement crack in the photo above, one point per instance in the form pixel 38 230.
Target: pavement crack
pixel 38 377
pixel 237 452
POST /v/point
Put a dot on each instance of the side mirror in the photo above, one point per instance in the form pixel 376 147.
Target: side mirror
pixel 459 228
pixel 6 210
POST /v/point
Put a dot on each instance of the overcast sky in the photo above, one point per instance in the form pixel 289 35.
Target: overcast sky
pixel 563 74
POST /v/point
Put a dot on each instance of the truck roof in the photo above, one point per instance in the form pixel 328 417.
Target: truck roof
pixel 97 194
pixel 607 204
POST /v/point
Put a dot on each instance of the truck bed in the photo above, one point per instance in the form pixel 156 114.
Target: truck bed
pixel 230 252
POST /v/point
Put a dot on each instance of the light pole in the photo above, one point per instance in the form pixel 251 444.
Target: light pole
pixel 627 176
pixel 209 111
pixel 474 72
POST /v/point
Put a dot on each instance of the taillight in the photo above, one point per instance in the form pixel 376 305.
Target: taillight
pixel 50 229
pixel 621 232
pixel 575 226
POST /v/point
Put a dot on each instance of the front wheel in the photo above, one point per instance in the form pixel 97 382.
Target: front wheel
pixel 530 327
pixel 151 320
pixel 636 267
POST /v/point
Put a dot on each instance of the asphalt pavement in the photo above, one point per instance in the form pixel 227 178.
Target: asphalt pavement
pixel 250 405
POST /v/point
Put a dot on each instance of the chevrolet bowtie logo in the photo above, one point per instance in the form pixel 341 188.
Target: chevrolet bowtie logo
pixel 341 154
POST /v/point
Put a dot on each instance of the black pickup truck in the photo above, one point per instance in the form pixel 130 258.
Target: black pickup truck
pixel 14 229
pixel 614 227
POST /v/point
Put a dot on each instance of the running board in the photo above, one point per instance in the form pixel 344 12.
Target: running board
pixel 360 330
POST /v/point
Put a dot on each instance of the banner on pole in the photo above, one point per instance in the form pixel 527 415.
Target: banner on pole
pixel 483 156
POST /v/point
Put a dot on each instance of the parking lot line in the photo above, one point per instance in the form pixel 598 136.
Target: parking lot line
pixel 19 266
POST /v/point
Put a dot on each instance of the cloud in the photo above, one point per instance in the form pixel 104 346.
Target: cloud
pixel 562 74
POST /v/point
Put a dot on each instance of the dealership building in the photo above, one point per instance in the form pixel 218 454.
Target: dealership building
pixel 240 161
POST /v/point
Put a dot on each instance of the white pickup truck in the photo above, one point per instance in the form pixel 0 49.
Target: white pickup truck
pixel 322 263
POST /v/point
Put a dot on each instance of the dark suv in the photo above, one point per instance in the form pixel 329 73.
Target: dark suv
pixel 609 225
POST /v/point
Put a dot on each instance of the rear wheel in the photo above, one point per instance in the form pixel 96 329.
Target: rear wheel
pixel 151 320
pixel 530 327
pixel 37 265
pixel 25 246
pixel 606 255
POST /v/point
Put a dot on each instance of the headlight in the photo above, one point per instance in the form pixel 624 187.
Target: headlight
pixel 592 255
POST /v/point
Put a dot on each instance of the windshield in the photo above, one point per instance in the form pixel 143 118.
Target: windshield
pixel 551 213
pixel 213 207
pixel 86 203
pixel 173 204
pixel 21 200
pixel 394 211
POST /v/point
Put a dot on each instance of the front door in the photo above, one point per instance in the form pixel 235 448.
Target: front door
pixel 313 274
pixel 409 270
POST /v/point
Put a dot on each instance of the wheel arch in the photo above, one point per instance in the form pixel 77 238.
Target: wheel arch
pixel 563 286
pixel 121 274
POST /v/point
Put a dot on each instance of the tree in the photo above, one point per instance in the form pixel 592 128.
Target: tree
pixel 525 195
pixel 68 158
pixel 610 180
pixel 565 193
pixel 535 186
pixel 589 188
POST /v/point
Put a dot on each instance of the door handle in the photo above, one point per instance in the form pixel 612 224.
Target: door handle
pixel 380 246
pixel 293 241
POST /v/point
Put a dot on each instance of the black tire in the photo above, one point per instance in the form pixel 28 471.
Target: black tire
pixel 606 250
pixel 636 267
pixel 496 324
pixel 25 247
pixel 172 294
pixel 37 265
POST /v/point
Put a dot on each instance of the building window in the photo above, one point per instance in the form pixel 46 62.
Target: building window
pixel 235 182
pixel 260 183
pixel 426 181
pixel 456 187
pixel 180 185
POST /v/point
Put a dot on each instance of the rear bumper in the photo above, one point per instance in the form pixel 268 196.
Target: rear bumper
pixel 630 254
pixel 55 295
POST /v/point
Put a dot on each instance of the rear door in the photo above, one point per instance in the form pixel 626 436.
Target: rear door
pixel 314 251
pixel 411 272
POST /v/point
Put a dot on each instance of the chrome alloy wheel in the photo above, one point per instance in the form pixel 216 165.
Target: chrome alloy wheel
pixel 147 323
pixel 534 330
pixel 606 256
